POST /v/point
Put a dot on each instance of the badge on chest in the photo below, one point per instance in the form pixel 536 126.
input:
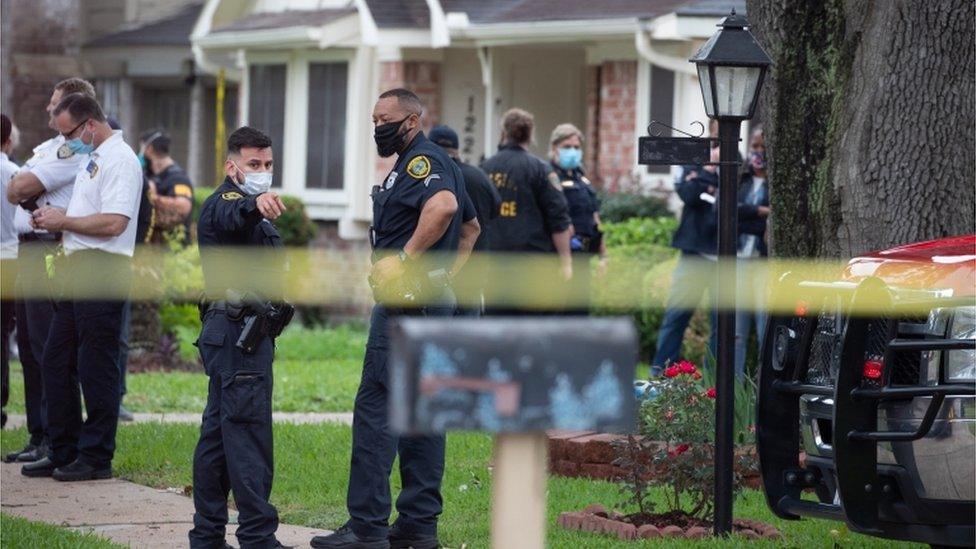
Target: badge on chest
pixel 390 180
pixel 92 169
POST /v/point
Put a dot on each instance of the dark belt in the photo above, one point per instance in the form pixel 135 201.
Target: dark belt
pixel 39 237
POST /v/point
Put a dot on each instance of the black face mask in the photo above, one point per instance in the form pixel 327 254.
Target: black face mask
pixel 388 138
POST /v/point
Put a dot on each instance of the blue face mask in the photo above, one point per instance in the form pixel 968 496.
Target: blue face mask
pixel 78 146
pixel 570 157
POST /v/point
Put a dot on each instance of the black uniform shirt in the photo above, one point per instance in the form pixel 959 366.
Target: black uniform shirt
pixel 173 182
pixel 484 198
pixel 582 200
pixel 421 171
pixel 229 221
pixel 533 206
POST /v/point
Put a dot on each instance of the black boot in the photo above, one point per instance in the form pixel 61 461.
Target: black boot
pixel 400 539
pixel 345 538
pixel 15 456
pixel 41 468
pixel 79 470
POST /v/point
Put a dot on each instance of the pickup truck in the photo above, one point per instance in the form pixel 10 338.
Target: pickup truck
pixel 866 410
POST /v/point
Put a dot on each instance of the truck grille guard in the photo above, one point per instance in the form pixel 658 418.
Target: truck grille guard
pixel 793 346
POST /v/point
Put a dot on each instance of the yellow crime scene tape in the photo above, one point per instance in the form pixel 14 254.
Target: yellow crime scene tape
pixel 532 282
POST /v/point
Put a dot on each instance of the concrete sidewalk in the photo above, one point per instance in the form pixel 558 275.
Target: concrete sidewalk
pixel 127 513
pixel 18 420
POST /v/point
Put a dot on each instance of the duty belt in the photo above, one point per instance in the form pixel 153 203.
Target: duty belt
pixel 39 237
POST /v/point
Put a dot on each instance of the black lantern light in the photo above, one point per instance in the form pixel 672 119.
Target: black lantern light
pixel 731 68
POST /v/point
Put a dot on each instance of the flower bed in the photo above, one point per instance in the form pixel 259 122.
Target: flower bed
pixel 675 524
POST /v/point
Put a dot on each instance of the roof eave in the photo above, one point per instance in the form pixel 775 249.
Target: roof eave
pixel 547 31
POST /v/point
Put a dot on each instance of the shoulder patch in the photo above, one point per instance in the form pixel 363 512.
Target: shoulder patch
pixel 232 195
pixel 64 151
pixel 182 189
pixel 419 167
pixel 554 181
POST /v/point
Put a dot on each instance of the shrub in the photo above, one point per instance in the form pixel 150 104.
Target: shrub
pixel 640 231
pixel 620 206
pixel 678 443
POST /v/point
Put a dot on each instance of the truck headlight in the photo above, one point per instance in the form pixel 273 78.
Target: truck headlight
pixel 960 365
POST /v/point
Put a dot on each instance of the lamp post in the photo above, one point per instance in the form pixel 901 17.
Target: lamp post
pixel 731 67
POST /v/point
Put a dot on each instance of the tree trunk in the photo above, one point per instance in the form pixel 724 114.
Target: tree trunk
pixel 869 122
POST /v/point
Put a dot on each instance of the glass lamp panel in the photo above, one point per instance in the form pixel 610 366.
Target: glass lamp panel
pixel 736 88
pixel 706 87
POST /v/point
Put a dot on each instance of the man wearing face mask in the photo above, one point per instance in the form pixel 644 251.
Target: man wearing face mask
pixel 46 179
pixel 234 452
pixel 421 232
pixel 94 276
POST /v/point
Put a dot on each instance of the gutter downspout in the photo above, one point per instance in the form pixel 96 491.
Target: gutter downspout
pixel 646 49
pixel 484 57
pixel 369 33
pixel 440 35
pixel 200 29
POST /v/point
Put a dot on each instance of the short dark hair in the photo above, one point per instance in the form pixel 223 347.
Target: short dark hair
pixel 80 107
pixel 157 139
pixel 406 99
pixel 517 124
pixel 76 85
pixel 6 128
pixel 247 137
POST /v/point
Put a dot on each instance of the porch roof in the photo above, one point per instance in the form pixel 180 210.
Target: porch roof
pixel 285 19
pixel 170 31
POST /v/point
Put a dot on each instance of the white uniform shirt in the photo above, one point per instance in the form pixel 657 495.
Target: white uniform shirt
pixel 109 183
pixel 8 235
pixel 55 166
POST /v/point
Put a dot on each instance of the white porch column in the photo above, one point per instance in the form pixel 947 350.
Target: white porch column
pixel 195 140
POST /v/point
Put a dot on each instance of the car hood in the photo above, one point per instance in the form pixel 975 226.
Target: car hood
pixel 948 263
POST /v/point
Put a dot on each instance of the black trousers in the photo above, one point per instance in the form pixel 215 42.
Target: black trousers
pixel 374 448
pixel 83 348
pixel 234 452
pixel 34 315
pixel 8 273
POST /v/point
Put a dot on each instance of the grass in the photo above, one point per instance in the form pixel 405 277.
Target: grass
pixel 312 466
pixel 18 533
pixel 315 371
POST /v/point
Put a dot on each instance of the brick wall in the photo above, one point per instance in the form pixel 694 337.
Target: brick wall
pixel 421 77
pixel 611 120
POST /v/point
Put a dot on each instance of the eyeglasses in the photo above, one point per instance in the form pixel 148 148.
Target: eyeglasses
pixel 69 134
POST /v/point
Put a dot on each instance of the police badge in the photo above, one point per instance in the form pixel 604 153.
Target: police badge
pixel 64 151
pixel 419 167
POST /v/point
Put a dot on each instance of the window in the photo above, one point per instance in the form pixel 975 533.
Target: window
pixel 662 104
pixel 326 146
pixel 266 108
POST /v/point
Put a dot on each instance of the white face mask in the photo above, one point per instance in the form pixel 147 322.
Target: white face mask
pixel 255 182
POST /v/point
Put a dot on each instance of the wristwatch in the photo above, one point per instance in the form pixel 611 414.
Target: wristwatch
pixel 404 258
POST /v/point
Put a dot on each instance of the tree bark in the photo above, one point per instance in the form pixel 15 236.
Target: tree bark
pixel 869 121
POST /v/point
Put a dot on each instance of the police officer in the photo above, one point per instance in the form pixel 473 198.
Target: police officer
pixel 172 190
pixel 234 452
pixel 565 156
pixel 417 226
pixel 484 197
pixel 533 216
pixel 46 179
pixel 82 345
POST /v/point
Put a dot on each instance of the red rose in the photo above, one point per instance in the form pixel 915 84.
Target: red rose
pixel 671 371
pixel 711 392
pixel 682 448
pixel 686 367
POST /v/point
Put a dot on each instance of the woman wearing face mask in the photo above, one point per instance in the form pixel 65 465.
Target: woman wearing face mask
pixel 566 157
pixel 753 214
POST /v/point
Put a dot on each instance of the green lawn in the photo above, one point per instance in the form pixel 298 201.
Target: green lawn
pixel 315 371
pixel 17 533
pixel 312 464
